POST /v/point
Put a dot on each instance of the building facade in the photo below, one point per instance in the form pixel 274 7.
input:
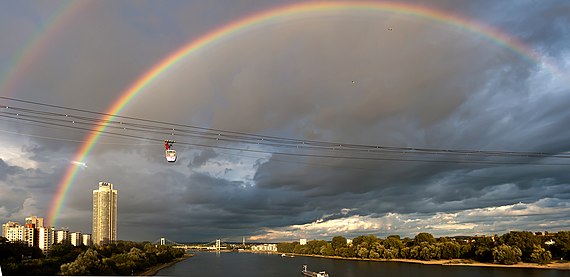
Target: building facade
pixel 61 236
pixel 104 214
pixel 36 221
pixel 13 231
pixel 75 238
pixel 264 248
pixel 31 235
pixel 86 239
pixel 45 238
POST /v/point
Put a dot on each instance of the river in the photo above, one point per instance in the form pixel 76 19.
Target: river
pixel 233 264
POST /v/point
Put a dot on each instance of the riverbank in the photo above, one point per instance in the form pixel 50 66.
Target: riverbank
pixel 155 269
pixel 454 262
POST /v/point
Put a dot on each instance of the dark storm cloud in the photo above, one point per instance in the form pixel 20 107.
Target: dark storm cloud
pixel 202 158
pixel 424 84
pixel 7 170
pixel 472 101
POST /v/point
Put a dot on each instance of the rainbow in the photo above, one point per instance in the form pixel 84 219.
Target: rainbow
pixel 39 42
pixel 273 15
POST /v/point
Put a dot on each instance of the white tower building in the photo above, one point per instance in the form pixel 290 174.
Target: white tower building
pixel 104 214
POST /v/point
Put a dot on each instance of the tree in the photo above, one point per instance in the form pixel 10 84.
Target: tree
pixel 450 250
pixel 540 255
pixel 327 250
pixel 363 252
pixel 393 242
pixel 347 252
pixel 405 253
pixel 338 242
pixel 286 247
pixel 525 241
pixel 483 249
pixel 65 252
pixel 391 253
pixel 424 237
pixel 87 263
pixel 505 254
pixel 562 244
pixel 314 246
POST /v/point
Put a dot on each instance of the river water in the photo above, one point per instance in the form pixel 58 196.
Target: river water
pixel 209 264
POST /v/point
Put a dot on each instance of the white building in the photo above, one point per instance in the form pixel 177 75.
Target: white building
pixel 45 235
pixel 76 238
pixel 303 241
pixel 37 221
pixel 61 236
pixel 86 239
pixel 104 214
pixel 265 247
pixel 13 231
pixel 30 235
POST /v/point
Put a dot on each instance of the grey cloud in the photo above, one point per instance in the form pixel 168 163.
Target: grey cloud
pixel 425 84
pixel 202 158
pixel 7 170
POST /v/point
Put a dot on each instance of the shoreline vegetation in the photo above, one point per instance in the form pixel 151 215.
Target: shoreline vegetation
pixel 121 258
pixel 520 249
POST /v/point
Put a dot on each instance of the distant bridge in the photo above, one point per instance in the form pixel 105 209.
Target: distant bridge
pixel 215 245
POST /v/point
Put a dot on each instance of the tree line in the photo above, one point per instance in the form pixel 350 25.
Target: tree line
pixel 509 248
pixel 120 258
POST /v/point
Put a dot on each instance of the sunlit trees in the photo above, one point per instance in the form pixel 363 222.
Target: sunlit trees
pixel 122 260
pixel 540 255
pixel 493 249
pixel 338 242
pixel 450 250
pixel 87 263
pixel 525 241
pixel 286 247
pixel 505 254
pixel 424 237
pixel 327 250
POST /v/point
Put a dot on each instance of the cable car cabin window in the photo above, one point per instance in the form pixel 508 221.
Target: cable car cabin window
pixel 171 155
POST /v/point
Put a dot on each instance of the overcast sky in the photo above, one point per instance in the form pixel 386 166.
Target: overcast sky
pixel 331 76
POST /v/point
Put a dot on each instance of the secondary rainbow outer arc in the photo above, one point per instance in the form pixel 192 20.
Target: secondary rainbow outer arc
pixel 32 50
pixel 263 17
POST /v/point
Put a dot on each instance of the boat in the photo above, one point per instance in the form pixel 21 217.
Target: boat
pixel 287 256
pixel 313 274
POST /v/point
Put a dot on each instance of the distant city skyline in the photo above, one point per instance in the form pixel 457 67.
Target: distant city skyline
pixel 35 234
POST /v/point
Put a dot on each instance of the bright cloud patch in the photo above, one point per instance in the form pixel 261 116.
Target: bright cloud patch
pixel 469 222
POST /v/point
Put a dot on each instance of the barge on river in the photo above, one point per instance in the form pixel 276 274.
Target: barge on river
pixel 313 274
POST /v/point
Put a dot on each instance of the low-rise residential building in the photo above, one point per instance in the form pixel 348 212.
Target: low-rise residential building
pixel 265 248
pixel 61 236
pixel 75 238
pixel 14 232
pixel 86 239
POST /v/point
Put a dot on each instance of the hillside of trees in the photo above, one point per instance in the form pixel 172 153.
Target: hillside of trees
pixel 121 258
pixel 510 248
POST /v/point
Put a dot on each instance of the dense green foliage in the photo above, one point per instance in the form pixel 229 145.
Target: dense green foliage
pixel 121 258
pixel 505 254
pixel 509 248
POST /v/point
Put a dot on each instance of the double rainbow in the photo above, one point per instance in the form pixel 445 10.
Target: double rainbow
pixel 281 13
